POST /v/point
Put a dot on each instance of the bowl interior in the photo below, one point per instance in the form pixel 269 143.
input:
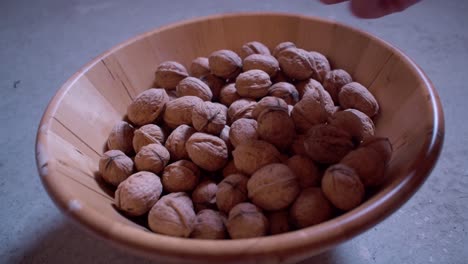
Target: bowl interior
pixel 76 124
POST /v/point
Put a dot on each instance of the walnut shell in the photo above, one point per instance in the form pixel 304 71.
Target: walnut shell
pixel 307 173
pixel 241 108
pixel 229 169
pixel 207 151
pixel 310 208
pixel 342 187
pixel 285 91
pixel 281 77
pixel 243 130
pixel 333 82
pixel 277 128
pixel 172 94
pixel 297 146
pixel 180 176
pixel 320 65
pixel 147 134
pixel 195 87
pixel 269 103
pixel 138 193
pixel 120 137
pixel 282 46
pixel 253 47
pixel 115 167
pixel 209 117
pixel 147 106
pixel 169 74
pixel 215 84
pixel 232 190
pixel 279 222
pixel 327 144
pixel 355 122
pixel 224 135
pixel 381 145
pixel 253 84
pixel 295 63
pixel 314 108
pixel 308 85
pixel 225 64
pixel 354 95
pixel 273 187
pixel 175 143
pixel 368 164
pixel 252 155
pixel 179 111
pixel 173 215
pixel 204 195
pixel 209 225
pixel 229 94
pixel 152 157
pixel 200 67
pixel 246 220
pixel 266 63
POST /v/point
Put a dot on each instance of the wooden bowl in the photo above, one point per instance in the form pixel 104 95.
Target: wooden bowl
pixel 75 126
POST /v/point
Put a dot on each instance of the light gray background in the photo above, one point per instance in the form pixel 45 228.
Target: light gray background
pixel 44 42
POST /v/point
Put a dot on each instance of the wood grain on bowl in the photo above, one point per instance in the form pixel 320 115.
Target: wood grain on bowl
pixel 75 126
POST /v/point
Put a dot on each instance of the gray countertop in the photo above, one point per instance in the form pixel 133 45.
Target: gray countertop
pixel 44 42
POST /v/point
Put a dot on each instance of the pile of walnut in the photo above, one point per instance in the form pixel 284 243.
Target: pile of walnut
pixel 246 146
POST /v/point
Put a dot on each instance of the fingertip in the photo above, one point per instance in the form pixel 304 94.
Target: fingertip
pixel 332 2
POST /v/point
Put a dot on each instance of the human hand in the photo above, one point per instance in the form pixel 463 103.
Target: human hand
pixel 375 8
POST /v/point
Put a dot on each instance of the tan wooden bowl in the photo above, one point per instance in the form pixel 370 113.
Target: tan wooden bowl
pixel 75 126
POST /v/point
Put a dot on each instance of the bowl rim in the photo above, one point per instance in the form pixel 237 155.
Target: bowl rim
pixel 311 240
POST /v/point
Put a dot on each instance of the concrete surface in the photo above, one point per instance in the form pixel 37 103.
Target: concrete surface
pixel 44 42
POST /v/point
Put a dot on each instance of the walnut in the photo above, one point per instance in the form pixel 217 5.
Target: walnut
pixel 147 106
pixel 175 143
pixel 169 74
pixel 266 63
pixel 368 164
pixel 115 167
pixel 246 220
pixel 179 111
pixel 295 63
pixel 381 145
pixel 243 130
pixel 195 87
pixel 209 117
pixel 269 103
pixel 138 193
pixel 215 84
pixel 354 95
pixel 173 215
pixel 314 108
pixel 200 67
pixel 209 225
pixel 307 173
pixel 277 128
pixel 229 94
pixel 224 135
pixel 320 65
pixel 229 169
pixel 180 176
pixel 355 122
pixel 120 137
pixel 253 47
pixel 327 144
pixel 282 46
pixel 204 195
pixel 333 82
pixel 279 222
pixel 241 108
pixel 147 134
pixel 281 77
pixel 152 157
pixel 273 187
pixel 290 109
pixel 253 84
pixel 208 152
pixel 252 155
pixel 307 85
pixel 342 187
pixel 225 64
pixel 232 190
pixel 172 94
pixel 297 146
pixel 310 208
pixel 285 91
